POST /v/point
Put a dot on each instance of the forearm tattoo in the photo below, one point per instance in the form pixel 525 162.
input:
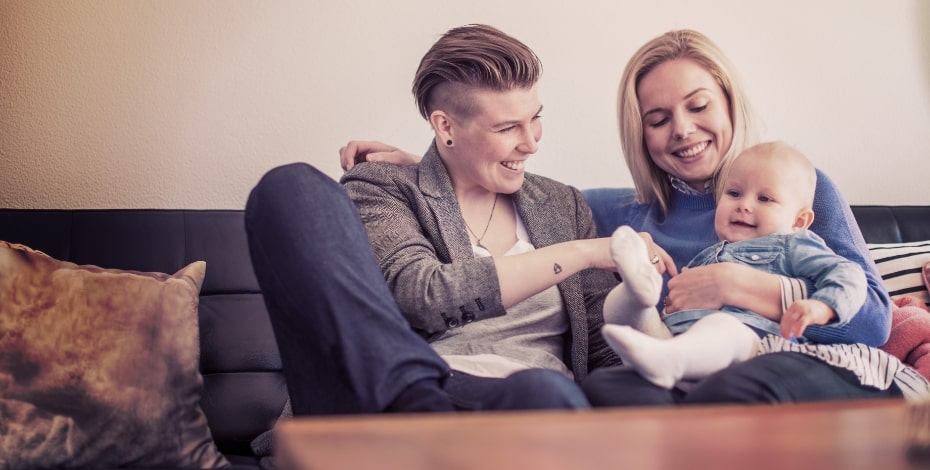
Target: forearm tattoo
pixel 556 268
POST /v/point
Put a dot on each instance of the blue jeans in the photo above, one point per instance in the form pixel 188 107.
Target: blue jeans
pixel 783 377
pixel 345 346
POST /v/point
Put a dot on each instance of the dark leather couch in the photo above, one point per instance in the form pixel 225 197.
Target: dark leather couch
pixel 244 389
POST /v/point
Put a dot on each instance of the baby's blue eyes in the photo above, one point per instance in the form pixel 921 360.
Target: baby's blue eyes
pixel 736 194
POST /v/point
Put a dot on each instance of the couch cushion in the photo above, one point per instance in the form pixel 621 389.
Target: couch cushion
pixel 99 367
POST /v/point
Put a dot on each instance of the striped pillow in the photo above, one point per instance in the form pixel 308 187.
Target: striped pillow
pixel 900 266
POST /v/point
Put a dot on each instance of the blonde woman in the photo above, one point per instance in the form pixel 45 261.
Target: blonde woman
pixel 683 118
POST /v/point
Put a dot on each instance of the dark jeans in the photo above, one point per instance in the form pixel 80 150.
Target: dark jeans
pixel 345 346
pixel 533 389
pixel 770 378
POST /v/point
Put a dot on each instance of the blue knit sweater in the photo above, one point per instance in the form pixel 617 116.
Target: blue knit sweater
pixel 689 227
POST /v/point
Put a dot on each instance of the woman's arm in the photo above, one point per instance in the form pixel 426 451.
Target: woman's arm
pixel 527 274
pixel 434 291
pixel 715 285
pixel 834 222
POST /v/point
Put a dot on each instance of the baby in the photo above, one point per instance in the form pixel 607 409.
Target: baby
pixel 764 208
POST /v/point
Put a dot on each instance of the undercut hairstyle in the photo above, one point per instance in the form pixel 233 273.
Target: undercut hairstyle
pixel 652 183
pixel 467 58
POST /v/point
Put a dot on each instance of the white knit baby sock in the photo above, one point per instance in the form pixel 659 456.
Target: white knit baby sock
pixel 631 255
pixel 653 358
pixel 633 301
pixel 712 344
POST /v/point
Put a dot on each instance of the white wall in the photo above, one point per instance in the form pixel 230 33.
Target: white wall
pixel 184 104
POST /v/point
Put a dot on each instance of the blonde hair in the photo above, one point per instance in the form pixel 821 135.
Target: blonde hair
pixel 470 57
pixel 652 184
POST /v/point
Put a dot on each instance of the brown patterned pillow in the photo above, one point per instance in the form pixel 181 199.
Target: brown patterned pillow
pixel 99 367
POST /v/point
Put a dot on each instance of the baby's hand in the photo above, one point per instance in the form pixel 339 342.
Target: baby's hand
pixel 803 313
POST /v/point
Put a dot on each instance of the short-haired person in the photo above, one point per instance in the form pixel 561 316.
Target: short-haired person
pixel 495 280
pixel 763 212
pixel 683 116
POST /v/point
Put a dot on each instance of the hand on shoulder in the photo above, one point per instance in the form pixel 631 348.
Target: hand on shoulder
pixel 359 151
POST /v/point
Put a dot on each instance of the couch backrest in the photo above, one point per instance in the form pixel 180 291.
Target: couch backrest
pixel 244 389
pixel 893 224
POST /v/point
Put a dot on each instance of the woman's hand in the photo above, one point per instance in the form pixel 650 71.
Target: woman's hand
pixel 716 285
pixel 698 287
pixel 358 151
pixel 662 261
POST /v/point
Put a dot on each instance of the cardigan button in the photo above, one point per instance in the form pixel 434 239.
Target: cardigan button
pixel 451 322
pixel 755 257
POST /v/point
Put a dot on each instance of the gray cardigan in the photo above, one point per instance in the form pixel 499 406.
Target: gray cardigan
pixel 416 228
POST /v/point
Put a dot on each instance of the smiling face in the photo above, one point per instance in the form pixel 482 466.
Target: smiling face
pixel 765 192
pixel 686 120
pixel 490 147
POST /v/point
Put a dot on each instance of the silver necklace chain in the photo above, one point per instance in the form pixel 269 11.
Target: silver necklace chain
pixel 488 225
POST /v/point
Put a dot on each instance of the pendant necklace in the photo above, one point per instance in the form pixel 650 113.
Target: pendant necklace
pixel 485 232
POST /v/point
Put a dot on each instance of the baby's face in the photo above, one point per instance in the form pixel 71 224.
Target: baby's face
pixel 760 197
